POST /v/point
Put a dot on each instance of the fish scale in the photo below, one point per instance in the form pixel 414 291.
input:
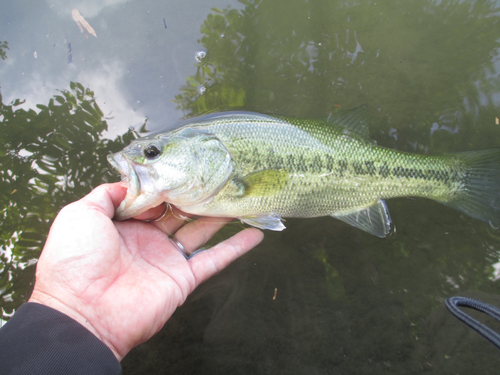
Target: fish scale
pixel 340 171
pixel 261 168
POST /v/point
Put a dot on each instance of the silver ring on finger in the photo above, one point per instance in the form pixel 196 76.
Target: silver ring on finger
pixel 166 209
pixel 180 247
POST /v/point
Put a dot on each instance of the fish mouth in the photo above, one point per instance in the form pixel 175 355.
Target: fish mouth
pixel 136 201
pixel 127 172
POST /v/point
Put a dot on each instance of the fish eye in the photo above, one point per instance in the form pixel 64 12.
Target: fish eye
pixel 151 152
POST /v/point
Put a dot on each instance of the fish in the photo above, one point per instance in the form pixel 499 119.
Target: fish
pixel 261 168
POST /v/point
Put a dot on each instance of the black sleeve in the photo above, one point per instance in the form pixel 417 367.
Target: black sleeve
pixel 41 340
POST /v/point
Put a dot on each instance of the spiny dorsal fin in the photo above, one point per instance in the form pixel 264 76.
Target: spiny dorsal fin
pixel 355 120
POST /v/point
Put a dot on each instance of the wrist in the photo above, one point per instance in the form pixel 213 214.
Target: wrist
pixel 52 302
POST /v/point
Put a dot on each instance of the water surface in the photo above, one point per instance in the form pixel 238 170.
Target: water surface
pixel 345 301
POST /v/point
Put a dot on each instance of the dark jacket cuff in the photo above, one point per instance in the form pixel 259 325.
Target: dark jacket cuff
pixel 41 340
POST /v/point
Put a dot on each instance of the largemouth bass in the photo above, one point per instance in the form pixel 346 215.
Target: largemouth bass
pixel 260 169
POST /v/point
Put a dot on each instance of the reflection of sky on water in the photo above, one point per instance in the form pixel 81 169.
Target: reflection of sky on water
pixel 135 65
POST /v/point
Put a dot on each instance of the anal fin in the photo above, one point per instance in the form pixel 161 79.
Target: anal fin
pixel 374 219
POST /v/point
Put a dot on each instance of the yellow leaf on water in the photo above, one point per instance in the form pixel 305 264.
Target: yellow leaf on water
pixel 82 23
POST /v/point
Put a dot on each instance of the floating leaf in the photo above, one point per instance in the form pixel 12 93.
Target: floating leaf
pixel 82 23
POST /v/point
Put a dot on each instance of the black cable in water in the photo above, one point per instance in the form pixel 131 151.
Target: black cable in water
pixel 452 304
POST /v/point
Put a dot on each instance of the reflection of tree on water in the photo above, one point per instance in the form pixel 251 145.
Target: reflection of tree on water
pixel 413 61
pixel 49 158
pixel 3 47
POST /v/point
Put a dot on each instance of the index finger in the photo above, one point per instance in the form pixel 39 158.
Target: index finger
pixel 209 262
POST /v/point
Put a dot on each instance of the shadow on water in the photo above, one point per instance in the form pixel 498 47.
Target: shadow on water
pixel 345 301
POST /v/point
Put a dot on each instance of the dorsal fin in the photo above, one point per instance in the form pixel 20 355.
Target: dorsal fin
pixel 355 120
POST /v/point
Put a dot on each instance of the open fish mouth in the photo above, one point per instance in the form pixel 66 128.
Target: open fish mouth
pixel 136 201
pixel 127 171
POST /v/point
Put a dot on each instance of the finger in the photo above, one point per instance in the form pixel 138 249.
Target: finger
pixel 172 221
pixel 197 233
pixel 209 262
pixel 153 213
pixel 106 197
pixel 165 217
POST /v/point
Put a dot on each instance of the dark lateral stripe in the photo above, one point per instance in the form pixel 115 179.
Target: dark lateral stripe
pixel 343 164
pixel 344 167
pixel 370 168
pixel 358 168
pixel 384 171
pixel 330 162
pixel 427 174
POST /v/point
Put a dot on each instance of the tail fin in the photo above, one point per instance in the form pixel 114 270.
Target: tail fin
pixel 480 196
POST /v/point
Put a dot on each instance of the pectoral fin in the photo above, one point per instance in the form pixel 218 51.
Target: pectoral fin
pixel 262 183
pixel 374 219
pixel 271 222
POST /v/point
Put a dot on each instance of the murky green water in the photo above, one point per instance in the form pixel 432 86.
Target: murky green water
pixel 320 297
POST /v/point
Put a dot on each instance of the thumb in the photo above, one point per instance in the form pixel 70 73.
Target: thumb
pixel 106 198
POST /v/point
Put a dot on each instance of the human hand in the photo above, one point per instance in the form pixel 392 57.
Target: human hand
pixel 123 280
